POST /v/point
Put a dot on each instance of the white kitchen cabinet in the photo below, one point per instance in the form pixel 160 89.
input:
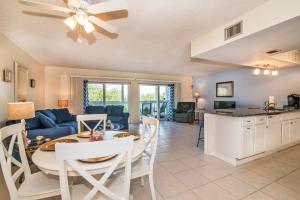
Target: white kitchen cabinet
pixel 238 140
pixel 273 133
pixel 294 130
pixel 247 143
pixel 290 131
pixel 286 132
pixel 259 138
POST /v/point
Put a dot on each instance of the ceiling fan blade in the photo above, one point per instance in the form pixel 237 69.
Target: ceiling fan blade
pixel 108 6
pixel 103 24
pixel 45 6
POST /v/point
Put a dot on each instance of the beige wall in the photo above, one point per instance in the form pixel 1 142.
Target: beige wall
pixel 9 53
pixel 58 84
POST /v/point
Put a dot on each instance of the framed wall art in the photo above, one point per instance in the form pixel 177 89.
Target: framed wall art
pixel 224 89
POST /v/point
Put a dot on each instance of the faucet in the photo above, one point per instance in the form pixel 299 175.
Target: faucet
pixel 269 106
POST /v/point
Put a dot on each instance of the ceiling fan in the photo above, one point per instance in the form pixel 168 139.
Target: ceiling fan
pixel 82 13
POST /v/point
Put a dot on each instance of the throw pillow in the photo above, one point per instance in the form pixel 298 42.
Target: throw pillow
pixel 63 115
pixel 33 123
pixel 46 121
pixel 49 114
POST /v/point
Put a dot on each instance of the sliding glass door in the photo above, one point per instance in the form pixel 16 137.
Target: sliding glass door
pixel 153 100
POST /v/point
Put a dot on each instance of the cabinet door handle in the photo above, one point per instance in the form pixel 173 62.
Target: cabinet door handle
pixel 248 121
pixel 248 128
pixel 292 123
pixel 267 127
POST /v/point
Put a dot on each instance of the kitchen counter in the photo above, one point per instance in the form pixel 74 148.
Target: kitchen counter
pixel 241 135
pixel 247 112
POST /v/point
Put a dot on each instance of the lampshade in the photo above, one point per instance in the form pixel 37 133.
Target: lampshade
pixel 88 27
pixel 62 103
pixel 22 110
pixel 71 22
pixel 197 94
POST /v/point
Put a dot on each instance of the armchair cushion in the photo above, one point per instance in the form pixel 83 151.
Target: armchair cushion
pixel 185 112
pixel 183 107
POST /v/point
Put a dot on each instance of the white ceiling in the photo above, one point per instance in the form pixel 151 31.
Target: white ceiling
pixel 154 38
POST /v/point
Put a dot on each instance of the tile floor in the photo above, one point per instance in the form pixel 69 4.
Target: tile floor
pixel 183 172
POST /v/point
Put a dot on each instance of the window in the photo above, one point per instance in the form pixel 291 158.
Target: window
pixel 95 94
pixel 108 94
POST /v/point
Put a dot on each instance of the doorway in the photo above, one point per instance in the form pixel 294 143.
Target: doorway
pixel 154 101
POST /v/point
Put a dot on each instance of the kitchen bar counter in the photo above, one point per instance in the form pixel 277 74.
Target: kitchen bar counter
pixel 241 135
pixel 247 112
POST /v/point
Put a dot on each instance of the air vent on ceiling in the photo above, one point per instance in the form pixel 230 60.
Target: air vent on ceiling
pixel 233 30
pixel 273 51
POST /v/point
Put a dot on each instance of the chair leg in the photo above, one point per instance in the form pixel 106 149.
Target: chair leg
pixel 151 183
pixel 142 181
pixel 199 137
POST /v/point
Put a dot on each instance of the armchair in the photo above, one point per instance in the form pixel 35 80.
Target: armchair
pixel 185 112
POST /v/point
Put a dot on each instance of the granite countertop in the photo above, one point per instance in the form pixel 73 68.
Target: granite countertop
pixel 246 112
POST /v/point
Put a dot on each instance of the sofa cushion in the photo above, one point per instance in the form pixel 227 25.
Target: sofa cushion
pixel 33 123
pixel 46 121
pixel 115 110
pixel 62 115
pixel 95 110
pixel 72 124
pixel 115 119
pixel 49 114
pixel 52 133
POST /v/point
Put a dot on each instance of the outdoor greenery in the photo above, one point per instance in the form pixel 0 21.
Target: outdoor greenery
pixel 114 94
pixel 151 97
pixel 95 92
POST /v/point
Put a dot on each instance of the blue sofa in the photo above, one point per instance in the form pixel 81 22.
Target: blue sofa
pixel 50 123
pixel 115 114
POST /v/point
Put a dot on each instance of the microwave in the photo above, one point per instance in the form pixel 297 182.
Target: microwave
pixel 294 100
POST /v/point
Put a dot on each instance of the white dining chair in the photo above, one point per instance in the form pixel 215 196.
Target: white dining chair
pixel 34 186
pixel 81 119
pixel 109 186
pixel 144 166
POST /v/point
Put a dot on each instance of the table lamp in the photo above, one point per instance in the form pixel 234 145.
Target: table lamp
pixel 63 103
pixel 20 111
pixel 197 96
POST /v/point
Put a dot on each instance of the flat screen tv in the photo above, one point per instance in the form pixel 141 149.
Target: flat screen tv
pixel 224 104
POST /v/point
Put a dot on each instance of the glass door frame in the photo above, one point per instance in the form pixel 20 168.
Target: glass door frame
pixel 157 97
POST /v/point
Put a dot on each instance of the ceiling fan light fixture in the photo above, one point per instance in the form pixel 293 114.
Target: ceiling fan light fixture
pixel 71 22
pixel 256 71
pixel 266 72
pixel 88 27
pixel 81 18
pixel 274 73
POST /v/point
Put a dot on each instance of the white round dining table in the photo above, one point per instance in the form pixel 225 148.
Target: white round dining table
pixel 46 160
